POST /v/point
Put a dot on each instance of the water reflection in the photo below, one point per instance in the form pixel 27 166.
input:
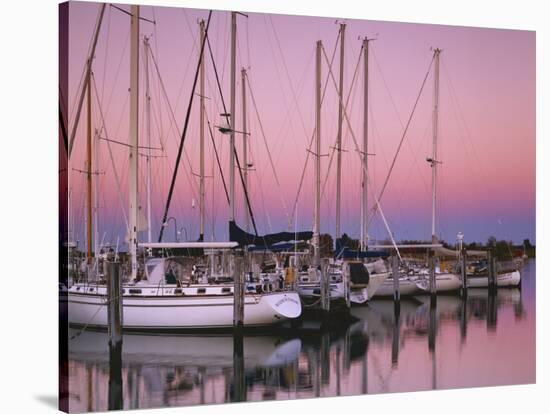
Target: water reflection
pixel 451 343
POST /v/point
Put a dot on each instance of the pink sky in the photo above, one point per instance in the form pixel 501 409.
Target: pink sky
pixel 487 123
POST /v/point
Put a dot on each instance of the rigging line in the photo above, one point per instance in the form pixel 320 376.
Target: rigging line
pixel 117 180
pixel 395 110
pixel 345 113
pixel 83 74
pixel 217 156
pixel 285 207
pixel 374 209
pixel 122 55
pixel 347 102
pixel 106 53
pixel 173 118
pixel 62 125
pixel 184 132
pixel 235 149
pixel 87 78
pixel 246 195
pixel 288 74
pixel 308 150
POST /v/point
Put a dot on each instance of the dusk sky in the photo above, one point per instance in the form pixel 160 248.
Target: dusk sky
pixel 486 184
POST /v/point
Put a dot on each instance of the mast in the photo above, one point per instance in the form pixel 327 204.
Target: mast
pixel 245 148
pixel 201 133
pixel 134 117
pixel 232 119
pixel 95 195
pixel 89 176
pixel 317 219
pixel 148 126
pixel 339 137
pixel 434 161
pixel 364 189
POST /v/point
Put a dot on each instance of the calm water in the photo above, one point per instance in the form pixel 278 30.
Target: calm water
pixel 485 340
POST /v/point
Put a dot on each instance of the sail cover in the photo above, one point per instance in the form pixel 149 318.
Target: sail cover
pixel 346 248
pixel 245 239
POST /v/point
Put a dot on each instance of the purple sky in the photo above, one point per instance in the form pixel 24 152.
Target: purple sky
pixel 487 122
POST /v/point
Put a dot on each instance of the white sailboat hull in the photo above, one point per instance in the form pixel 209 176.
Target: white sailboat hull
pixel 503 280
pixel 181 312
pixel 444 282
pixel 407 287
pixel 375 282
pixel 359 296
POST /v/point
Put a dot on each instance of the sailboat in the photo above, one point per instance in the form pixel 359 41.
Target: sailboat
pixel 168 296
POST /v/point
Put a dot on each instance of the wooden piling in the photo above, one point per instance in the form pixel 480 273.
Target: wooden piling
pixel 491 269
pixel 431 262
pixel 114 309
pixel 115 321
pixel 239 379
pixel 396 292
pixel 395 341
pixel 347 282
pixel 237 271
pixel 325 285
pixel 463 258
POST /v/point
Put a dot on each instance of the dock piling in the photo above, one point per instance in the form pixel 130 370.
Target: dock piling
pixel 463 257
pixel 114 315
pixel 114 310
pixel 492 269
pixel 237 271
pixel 433 288
pixel 325 285
pixel 396 292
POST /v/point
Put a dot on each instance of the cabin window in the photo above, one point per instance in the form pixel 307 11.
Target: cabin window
pixel 134 291
pixel 201 291
pixel 226 290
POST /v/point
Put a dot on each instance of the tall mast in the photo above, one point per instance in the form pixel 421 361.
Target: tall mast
pixel 96 193
pixel 317 219
pixel 201 133
pixel 232 119
pixel 339 137
pixel 89 176
pixel 133 162
pixel 245 148
pixel 364 189
pixel 434 160
pixel 148 126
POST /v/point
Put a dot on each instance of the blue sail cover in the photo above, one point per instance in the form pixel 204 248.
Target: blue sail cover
pixel 240 236
pixel 345 250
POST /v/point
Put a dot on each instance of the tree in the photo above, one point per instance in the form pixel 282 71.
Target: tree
pixel 326 245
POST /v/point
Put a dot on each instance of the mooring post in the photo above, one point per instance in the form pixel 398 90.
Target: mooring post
pixel 114 316
pixel 433 288
pixel 236 270
pixel 491 270
pixel 239 379
pixel 395 340
pixel 347 282
pixel 463 257
pixel 114 310
pixel 325 285
pixel 396 292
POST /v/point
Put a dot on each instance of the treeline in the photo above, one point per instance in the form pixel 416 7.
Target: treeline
pixel 502 249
